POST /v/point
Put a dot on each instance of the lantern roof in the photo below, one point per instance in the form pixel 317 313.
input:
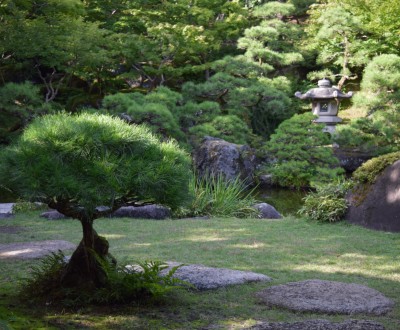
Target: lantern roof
pixel 325 90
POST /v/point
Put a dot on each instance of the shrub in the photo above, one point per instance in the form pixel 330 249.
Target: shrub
pixel 229 127
pixel 327 203
pixel 23 206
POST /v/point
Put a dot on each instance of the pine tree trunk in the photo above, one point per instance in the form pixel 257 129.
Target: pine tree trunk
pixel 86 267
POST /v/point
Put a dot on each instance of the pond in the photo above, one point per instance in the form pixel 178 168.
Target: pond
pixel 286 201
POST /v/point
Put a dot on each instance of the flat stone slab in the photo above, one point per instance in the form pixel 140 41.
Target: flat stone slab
pixel 206 278
pixel 31 250
pixel 330 297
pixel 319 325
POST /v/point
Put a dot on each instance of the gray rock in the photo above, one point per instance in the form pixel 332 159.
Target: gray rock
pixel 53 215
pixel 351 159
pixel 206 278
pixel 6 210
pixel 157 212
pixel 319 325
pixel 267 211
pixel 265 180
pixel 219 157
pixel 377 207
pixel 330 297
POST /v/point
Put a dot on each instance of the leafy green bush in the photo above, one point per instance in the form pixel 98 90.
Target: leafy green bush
pixel 23 206
pixel 215 196
pixel 302 153
pixel 327 204
pixel 142 282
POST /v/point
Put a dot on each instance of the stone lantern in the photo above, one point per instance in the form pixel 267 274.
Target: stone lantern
pixel 325 103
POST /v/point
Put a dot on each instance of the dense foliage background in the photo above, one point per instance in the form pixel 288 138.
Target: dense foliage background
pixel 190 68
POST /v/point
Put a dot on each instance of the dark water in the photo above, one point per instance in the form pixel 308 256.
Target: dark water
pixel 286 201
pixel 6 196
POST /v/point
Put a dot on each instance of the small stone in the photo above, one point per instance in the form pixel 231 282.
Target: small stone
pixel 318 296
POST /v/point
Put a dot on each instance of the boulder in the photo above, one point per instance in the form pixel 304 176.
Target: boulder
pixel 218 157
pixel 157 212
pixel 320 325
pixel 267 211
pixel 317 296
pixel 206 278
pixel 53 215
pixel 377 206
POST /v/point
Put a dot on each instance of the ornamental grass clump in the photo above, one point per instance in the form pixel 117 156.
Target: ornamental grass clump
pixel 216 196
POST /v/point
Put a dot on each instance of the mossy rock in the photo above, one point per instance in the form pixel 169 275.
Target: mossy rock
pixel 375 199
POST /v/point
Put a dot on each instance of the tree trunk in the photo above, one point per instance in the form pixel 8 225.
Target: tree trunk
pixel 87 266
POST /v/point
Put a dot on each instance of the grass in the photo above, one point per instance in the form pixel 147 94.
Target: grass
pixel 286 250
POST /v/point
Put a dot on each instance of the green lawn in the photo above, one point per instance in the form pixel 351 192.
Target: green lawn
pixel 286 250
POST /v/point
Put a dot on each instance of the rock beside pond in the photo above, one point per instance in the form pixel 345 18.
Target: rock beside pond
pixel 317 296
pixel 157 212
pixel 218 157
pixel 349 159
pixel 267 211
pixel 206 278
pixel 319 325
pixel 377 206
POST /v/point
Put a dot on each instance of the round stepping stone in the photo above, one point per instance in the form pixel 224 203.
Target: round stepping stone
pixel 206 278
pixel 326 297
pixel 320 325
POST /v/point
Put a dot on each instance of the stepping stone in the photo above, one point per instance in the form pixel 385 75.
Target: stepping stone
pixel 31 250
pixel 330 297
pixel 206 278
pixel 320 325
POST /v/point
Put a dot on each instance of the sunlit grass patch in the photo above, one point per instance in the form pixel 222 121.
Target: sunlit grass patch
pixel 287 250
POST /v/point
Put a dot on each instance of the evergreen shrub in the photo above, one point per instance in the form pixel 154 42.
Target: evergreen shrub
pixel 302 154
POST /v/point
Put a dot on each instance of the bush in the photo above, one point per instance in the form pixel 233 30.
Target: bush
pixel 230 128
pixel 327 204
pixel 22 206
